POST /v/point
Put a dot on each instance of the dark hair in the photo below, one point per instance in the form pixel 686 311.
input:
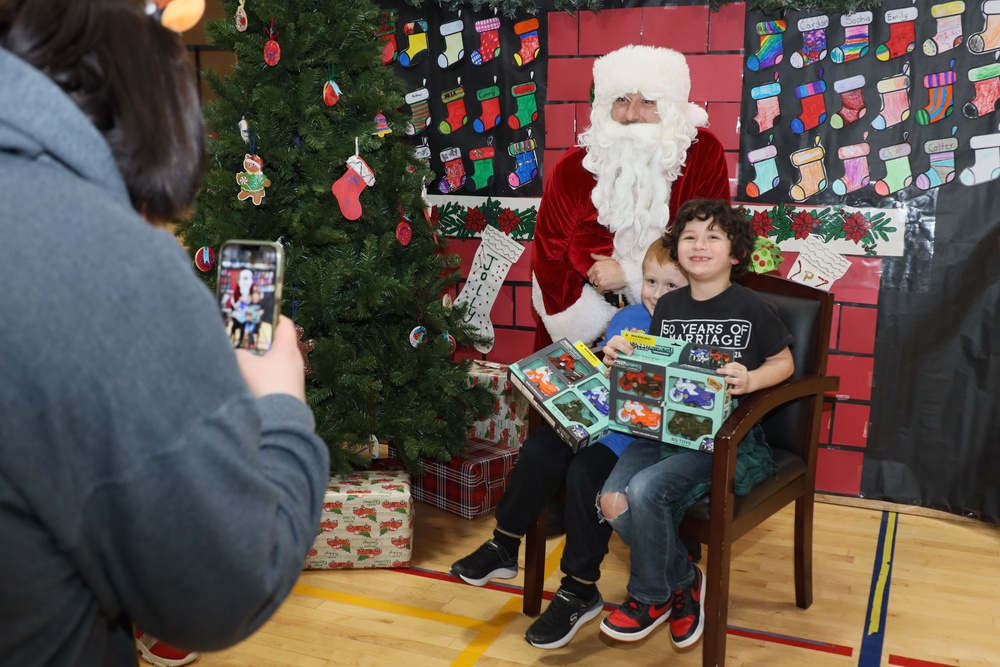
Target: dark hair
pixel 133 80
pixel 730 220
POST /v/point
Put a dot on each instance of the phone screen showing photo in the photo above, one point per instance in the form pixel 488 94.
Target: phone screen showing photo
pixel 248 289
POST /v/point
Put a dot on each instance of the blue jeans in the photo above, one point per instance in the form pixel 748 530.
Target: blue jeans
pixel 659 562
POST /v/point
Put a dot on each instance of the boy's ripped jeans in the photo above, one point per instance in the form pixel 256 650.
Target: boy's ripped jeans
pixel 637 501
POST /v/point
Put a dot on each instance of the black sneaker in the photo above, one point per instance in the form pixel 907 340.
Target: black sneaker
pixel 565 614
pixel 634 620
pixel 687 620
pixel 489 561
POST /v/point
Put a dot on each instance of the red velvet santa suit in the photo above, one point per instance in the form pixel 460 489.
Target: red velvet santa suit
pixel 567 232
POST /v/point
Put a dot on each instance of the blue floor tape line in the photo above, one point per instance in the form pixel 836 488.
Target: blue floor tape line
pixel 870 654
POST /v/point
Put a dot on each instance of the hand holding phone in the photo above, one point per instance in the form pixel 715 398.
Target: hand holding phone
pixel 249 292
pixel 281 371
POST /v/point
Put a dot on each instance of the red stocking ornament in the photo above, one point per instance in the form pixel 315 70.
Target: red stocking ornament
pixel 348 187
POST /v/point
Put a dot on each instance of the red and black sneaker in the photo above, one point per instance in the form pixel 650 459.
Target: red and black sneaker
pixel 634 620
pixel 687 619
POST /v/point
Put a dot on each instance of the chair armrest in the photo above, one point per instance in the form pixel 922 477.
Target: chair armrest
pixel 754 407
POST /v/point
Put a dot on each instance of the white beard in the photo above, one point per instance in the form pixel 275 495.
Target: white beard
pixel 635 166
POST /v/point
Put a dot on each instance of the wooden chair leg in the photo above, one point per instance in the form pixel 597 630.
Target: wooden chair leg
pixel 804 507
pixel 716 605
pixel 534 565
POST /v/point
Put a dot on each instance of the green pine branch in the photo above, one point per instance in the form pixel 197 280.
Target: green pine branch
pixel 351 284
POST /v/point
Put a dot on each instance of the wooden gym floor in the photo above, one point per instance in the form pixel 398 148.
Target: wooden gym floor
pixel 912 590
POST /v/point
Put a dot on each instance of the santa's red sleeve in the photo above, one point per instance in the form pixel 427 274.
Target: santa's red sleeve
pixel 566 233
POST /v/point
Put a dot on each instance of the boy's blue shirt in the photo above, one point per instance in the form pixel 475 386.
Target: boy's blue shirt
pixel 628 318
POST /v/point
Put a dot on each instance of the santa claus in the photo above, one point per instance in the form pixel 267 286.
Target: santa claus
pixel 644 154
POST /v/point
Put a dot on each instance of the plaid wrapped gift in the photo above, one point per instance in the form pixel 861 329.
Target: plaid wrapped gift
pixel 469 485
pixel 367 521
pixel 509 423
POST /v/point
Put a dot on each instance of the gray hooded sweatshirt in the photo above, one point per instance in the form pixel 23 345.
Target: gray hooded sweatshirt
pixel 140 481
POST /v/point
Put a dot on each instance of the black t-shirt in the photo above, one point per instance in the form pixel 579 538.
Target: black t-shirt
pixel 739 319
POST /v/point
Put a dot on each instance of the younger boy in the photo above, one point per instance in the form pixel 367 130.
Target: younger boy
pixel 653 483
pixel 544 463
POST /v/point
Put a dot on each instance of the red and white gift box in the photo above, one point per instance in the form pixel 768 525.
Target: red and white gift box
pixel 469 485
pixel 367 522
pixel 508 424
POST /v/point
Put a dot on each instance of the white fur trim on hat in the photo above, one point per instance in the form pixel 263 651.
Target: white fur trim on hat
pixel 655 72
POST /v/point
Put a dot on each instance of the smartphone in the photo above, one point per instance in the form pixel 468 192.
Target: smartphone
pixel 249 292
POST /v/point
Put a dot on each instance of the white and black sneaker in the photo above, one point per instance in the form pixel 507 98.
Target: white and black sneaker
pixel 558 624
pixel 489 561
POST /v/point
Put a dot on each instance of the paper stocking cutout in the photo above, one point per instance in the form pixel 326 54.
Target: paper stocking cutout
pixel 454 170
pixel 895 100
pixel 770 52
pixel 416 48
pixel 852 101
pixel 987 165
pixel 454 100
pixel 768 109
pixel 348 187
pixel 812 172
pixel 420 111
pixel 492 261
pixel 813 50
pixel 817 265
pixel 454 47
pixel 942 155
pixel 490 118
pixel 813 105
pixel 527 107
pixel 856 27
pixel 986 80
pixel 527 32
pixel 765 164
pixel 482 168
pixel 940 96
pixel 387 35
pixel 989 38
pixel 856 176
pixel 489 41
pixel 526 168
pixel 902 35
pixel 898 173
pixel 949 27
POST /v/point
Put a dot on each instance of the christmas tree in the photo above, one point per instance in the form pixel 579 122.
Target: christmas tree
pixel 306 148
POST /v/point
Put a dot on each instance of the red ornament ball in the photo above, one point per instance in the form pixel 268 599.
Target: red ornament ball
pixel 404 233
pixel 204 259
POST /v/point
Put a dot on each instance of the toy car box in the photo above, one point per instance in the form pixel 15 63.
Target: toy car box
pixel 565 382
pixel 668 391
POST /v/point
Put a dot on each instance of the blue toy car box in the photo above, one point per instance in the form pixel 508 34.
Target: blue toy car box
pixel 668 391
pixel 565 382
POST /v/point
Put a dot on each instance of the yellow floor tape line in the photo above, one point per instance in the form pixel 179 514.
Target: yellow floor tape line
pixel 488 630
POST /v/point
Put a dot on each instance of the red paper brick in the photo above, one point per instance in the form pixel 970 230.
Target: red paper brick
pixel 559 122
pixel 564 34
pixel 583 115
pixel 732 165
pixel 835 324
pixel 524 313
pixel 512 345
pixel 550 158
pixel 716 78
pixel 725 27
pixel 606 31
pixel 683 29
pixel 855 375
pixel 839 471
pixel 850 425
pixel 570 79
pixel 857 329
pixel 723 118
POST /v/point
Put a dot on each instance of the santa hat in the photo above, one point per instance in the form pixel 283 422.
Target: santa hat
pixel 654 72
